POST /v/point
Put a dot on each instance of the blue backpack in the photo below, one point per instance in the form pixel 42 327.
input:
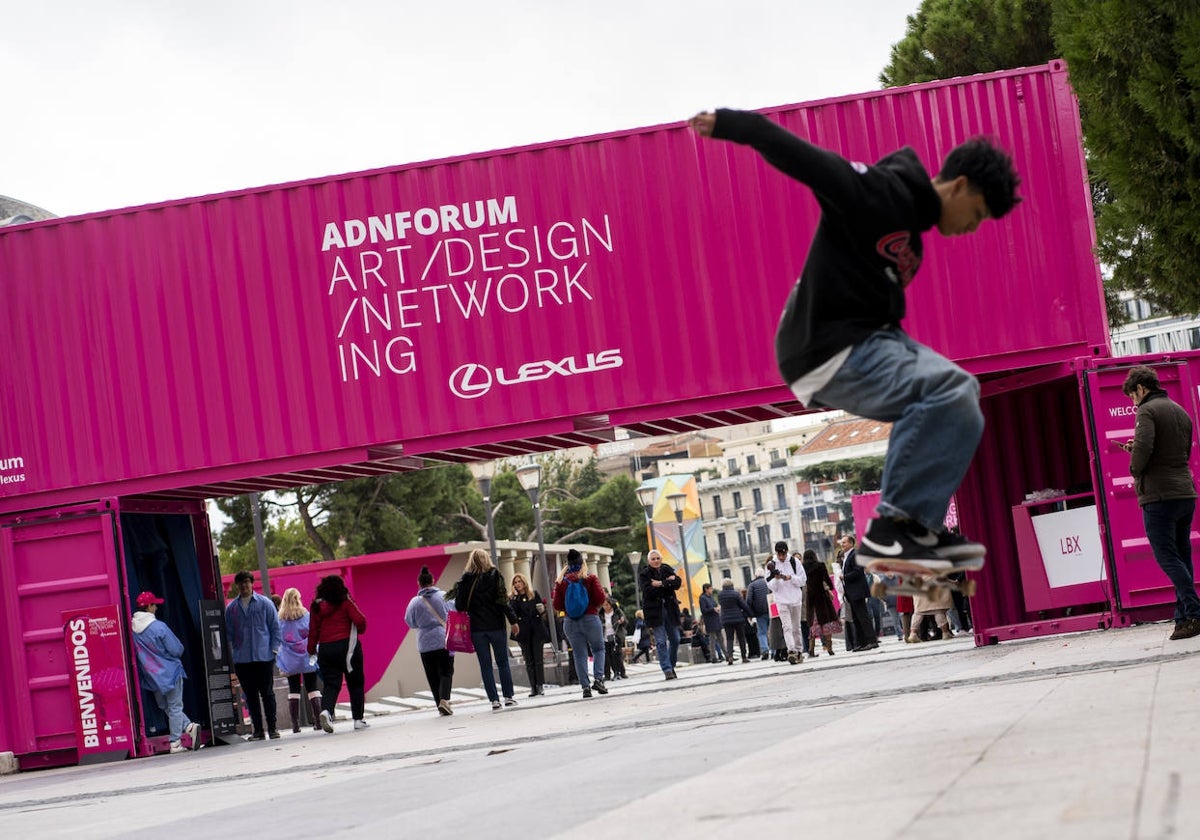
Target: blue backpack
pixel 576 600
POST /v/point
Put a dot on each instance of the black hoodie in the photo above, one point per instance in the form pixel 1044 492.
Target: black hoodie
pixel 866 249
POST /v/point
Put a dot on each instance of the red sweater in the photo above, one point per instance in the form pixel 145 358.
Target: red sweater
pixel 331 623
pixel 595 593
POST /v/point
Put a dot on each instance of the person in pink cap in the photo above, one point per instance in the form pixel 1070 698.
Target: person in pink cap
pixel 160 669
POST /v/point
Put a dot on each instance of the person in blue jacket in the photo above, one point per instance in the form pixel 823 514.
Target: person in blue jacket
pixel 252 623
pixel 160 669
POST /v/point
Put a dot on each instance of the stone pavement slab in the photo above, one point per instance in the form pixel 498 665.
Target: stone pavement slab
pixel 1089 735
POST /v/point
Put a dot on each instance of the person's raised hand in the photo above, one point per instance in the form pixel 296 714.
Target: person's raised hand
pixel 704 123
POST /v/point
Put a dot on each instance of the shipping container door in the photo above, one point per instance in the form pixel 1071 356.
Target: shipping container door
pixel 48 566
pixel 1137 579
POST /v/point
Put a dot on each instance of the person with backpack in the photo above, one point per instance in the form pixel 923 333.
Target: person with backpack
pixel 579 595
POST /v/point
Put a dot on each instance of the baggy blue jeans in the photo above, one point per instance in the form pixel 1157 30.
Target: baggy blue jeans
pixel 1169 531
pixel 583 633
pixel 666 640
pixel 171 702
pixel 933 406
pixel 762 623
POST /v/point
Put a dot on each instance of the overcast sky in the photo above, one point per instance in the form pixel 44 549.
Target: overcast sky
pixel 112 103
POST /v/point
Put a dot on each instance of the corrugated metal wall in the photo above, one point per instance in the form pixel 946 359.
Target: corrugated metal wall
pixel 212 341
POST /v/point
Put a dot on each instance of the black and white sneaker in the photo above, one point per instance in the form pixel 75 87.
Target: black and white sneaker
pixel 889 539
pixel 951 546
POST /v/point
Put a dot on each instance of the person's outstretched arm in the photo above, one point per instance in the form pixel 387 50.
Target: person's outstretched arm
pixel 827 173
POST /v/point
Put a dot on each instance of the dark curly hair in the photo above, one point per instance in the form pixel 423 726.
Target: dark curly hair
pixel 1140 375
pixel 990 171
pixel 332 589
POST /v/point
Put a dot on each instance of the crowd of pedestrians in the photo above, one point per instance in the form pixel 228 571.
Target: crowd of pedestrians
pixel 792 609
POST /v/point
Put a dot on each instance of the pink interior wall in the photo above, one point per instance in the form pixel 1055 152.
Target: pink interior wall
pixel 213 339
pixel 381 584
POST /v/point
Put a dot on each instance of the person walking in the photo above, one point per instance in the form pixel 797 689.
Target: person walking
pixel 1160 452
pixel 644 638
pixel 578 594
pixel 934 605
pixel 758 597
pixel 426 613
pixel 531 631
pixel 612 624
pixel 480 593
pixel 660 606
pixel 160 669
pixel 293 660
pixel 335 623
pixel 822 615
pixel 252 623
pixel 711 616
pixel 786 579
pixel 840 344
pixel 734 612
pixel 858 590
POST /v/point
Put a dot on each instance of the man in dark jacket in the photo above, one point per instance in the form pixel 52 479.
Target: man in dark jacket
pixel 1161 450
pixel 660 609
pixel 839 342
pixel 711 616
pixel 756 596
pixel 857 591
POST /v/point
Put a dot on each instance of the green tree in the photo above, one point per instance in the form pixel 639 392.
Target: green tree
pixel 862 475
pixel 948 38
pixel 1135 66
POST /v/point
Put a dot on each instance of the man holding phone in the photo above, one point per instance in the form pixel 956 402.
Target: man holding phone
pixel 1166 491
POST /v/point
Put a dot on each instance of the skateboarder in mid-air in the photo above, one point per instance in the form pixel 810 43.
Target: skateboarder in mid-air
pixel 839 343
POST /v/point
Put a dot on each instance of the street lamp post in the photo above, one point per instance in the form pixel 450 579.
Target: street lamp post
pixel 647 496
pixel 485 490
pixel 677 500
pixel 744 512
pixel 635 559
pixel 530 477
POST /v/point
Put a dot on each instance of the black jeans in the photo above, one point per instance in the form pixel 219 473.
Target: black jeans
pixel 331 660
pixel 439 671
pixel 534 654
pixel 258 686
pixel 1168 528
pixel 614 658
pixel 864 630
pixel 732 630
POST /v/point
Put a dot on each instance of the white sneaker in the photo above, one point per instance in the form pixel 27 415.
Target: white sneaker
pixel 192 730
pixel 326 722
pixel 178 747
pixel 361 724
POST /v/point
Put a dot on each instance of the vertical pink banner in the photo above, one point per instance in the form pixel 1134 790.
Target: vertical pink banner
pixel 100 695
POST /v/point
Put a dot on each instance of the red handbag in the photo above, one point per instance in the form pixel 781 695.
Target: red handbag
pixel 458 632
pixel 458 627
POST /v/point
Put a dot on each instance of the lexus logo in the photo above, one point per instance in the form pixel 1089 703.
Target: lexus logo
pixel 470 381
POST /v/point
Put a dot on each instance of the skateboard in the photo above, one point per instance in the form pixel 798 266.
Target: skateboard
pixel 915 579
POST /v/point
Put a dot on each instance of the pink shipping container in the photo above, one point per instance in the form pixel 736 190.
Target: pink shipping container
pixel 493 305
pixel 498 303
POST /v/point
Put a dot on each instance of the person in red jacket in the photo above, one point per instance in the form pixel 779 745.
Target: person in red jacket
pixel 335 623
pixel 582 624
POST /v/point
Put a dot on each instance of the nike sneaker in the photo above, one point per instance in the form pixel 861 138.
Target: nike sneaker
pixel 949 545
pixel 888 539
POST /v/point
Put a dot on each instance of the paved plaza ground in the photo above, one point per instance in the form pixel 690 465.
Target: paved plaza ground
pixel 1092 735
